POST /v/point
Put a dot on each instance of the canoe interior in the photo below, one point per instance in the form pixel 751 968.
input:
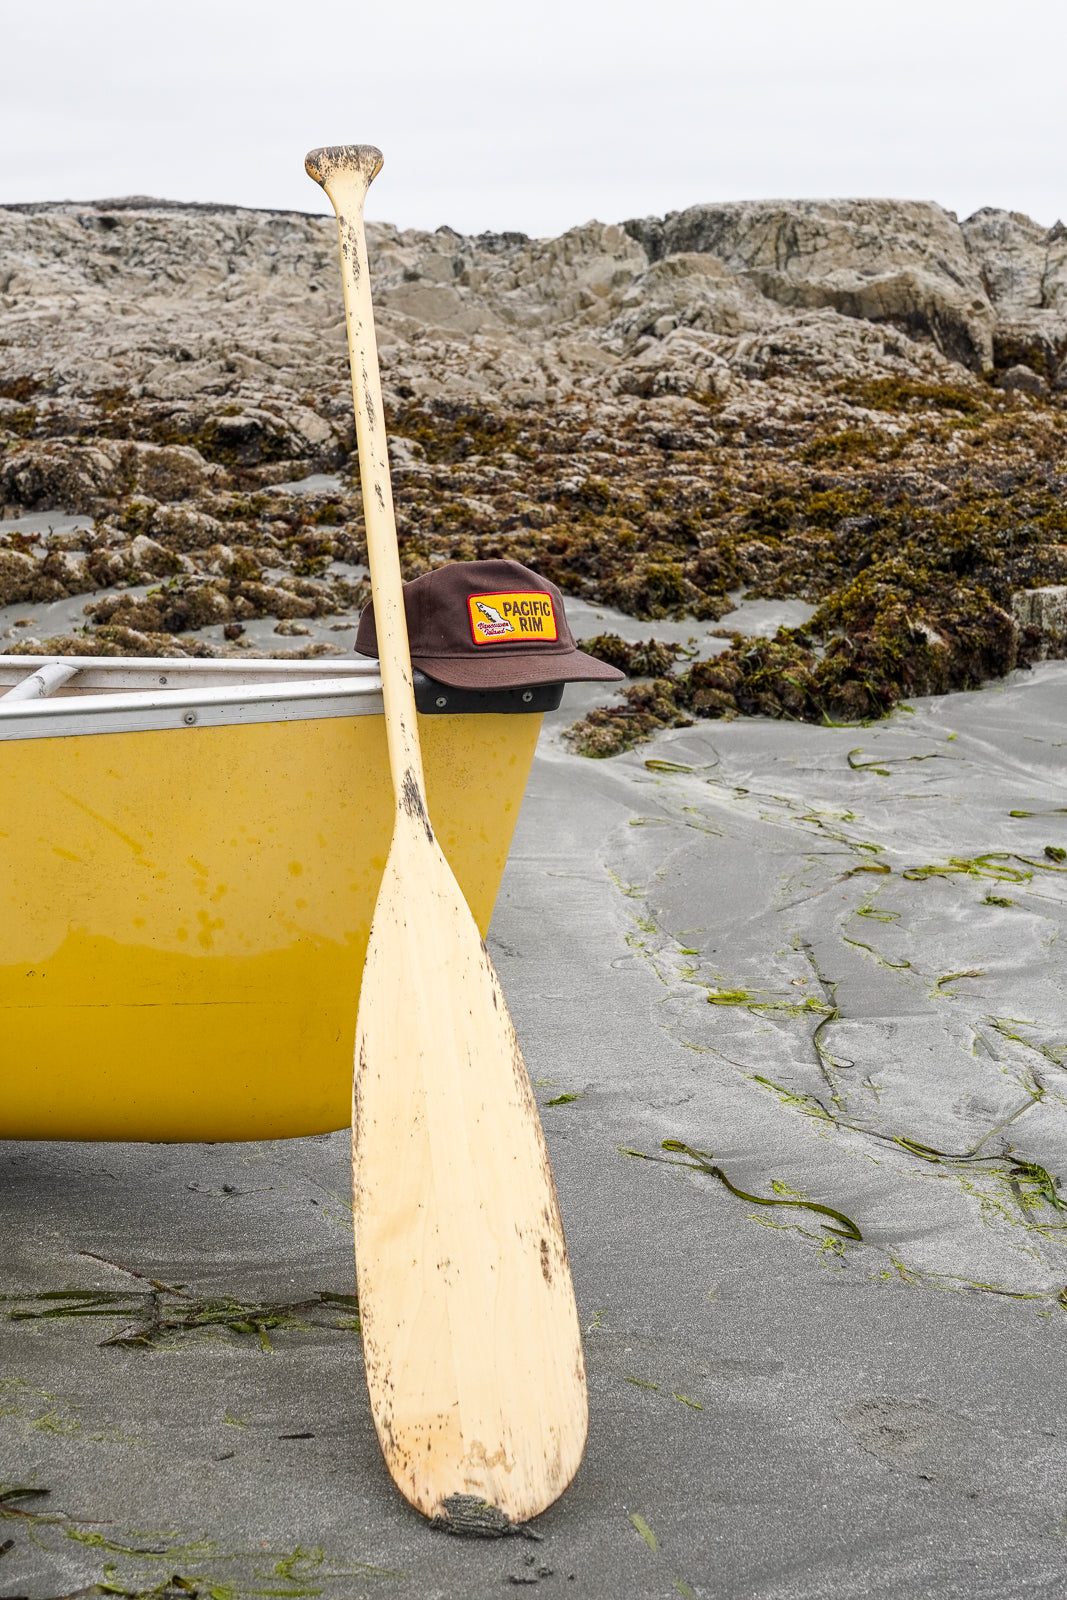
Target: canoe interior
pixel 184 908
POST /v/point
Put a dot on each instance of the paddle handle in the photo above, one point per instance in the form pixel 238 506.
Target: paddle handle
pixel 346 172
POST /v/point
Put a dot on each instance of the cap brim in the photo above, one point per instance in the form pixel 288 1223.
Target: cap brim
pixel 516 671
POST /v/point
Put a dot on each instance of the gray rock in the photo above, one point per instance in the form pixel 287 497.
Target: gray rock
pixel 1023 268
pixel 1045 609
pixel 1010 252
pixel 881 260
pixel 1024 379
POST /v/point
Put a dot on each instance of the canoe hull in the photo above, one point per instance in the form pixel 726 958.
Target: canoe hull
pixel 184 915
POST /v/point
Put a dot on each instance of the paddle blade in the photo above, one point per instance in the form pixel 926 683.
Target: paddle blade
pixel 470 1331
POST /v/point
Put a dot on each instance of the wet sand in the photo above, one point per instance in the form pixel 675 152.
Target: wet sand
pixel 829 957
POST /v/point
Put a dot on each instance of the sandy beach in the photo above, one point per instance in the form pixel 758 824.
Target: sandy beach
pixel 826 958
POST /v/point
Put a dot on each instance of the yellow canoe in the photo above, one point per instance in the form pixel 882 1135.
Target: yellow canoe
pixel 190 853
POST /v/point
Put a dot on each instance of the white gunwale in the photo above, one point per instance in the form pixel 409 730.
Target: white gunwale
pixel 142 694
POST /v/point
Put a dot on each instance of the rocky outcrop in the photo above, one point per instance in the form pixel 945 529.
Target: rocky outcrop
pixel 884 261
pixel 225 326
pixel 1024 273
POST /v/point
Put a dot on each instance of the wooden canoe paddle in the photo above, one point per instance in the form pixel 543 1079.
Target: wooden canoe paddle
pixel 470 1331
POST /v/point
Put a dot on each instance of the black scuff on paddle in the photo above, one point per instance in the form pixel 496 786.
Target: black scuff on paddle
pixel 412 802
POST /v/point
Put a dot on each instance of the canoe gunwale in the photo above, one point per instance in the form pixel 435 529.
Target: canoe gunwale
pixel 286 691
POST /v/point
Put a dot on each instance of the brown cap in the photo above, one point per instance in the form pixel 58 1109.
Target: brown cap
pixel 488 625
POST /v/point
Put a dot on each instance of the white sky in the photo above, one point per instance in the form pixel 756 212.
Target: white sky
pixel 541 115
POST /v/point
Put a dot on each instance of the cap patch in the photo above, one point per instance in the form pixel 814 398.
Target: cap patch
pixel 512 616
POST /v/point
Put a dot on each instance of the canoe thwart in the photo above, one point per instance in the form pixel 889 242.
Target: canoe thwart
pixel 41 683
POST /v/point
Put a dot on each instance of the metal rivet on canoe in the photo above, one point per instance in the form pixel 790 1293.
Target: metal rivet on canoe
pixel 527 696
pixel 189 717
pixel 442 700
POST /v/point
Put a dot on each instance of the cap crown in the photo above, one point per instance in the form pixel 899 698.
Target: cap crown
pixel 487 625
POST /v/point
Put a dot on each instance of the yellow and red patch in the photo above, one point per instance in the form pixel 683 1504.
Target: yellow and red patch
pixel 511 617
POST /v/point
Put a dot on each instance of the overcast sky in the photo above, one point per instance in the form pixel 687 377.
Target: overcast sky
pixel 541 115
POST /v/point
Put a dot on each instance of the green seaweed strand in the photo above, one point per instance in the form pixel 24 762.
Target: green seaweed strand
pixel 702 1161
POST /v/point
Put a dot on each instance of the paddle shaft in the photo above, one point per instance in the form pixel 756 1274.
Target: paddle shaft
pixel 346 173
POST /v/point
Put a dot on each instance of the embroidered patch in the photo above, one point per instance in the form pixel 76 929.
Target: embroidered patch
pixel 511 617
